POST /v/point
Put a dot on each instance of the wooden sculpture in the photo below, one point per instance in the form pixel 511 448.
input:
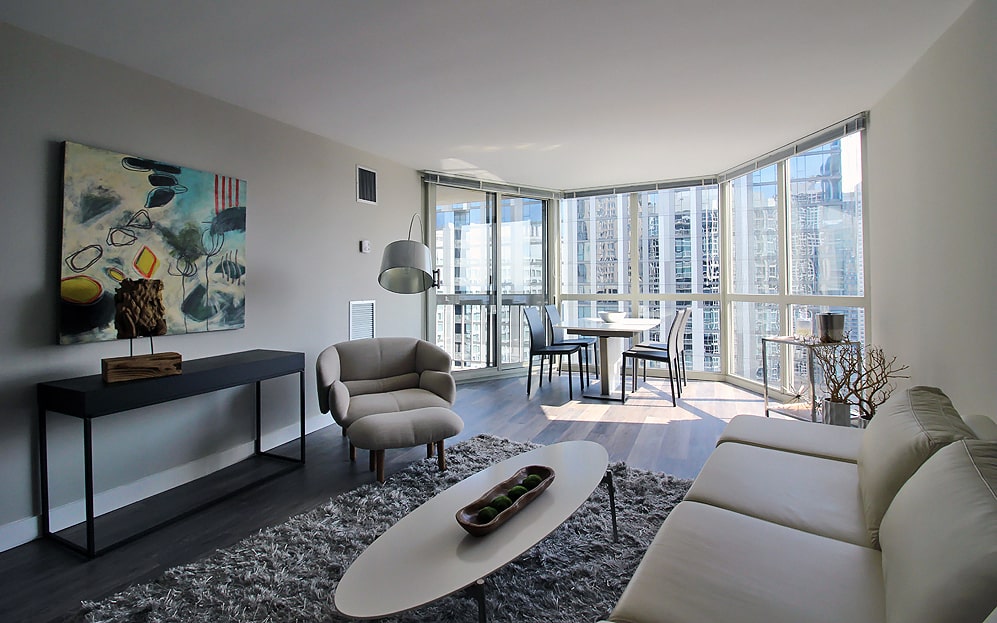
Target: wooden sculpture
pixel 139 312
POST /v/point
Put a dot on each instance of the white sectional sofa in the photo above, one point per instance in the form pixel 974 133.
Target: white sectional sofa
pixel 794 521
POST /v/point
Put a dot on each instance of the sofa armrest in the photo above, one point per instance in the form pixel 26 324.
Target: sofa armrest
pixel 440 383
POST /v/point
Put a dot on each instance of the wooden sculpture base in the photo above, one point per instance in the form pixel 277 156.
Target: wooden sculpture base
pixel 116 369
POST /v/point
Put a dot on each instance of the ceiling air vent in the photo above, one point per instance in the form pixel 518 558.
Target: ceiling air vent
pixel 366 185
pixel 361 319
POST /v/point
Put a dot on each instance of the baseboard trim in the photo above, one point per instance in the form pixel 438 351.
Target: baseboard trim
pixel 106 501
pixel 19 532
pixel 25 530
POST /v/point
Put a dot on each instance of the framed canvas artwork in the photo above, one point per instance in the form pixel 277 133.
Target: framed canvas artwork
pixel 129 217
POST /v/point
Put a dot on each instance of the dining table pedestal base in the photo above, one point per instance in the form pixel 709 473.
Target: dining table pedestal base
pixel 613 340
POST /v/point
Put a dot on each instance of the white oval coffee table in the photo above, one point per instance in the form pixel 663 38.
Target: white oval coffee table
pixel 427 555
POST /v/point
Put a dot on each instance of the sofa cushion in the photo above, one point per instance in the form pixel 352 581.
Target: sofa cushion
pixel 984 426
pixel 939 538
pixel 906 431
pixel 840 443
pixel 816 495
pixel 711 564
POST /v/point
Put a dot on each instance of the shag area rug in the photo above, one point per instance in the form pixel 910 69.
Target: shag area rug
pixel 289 572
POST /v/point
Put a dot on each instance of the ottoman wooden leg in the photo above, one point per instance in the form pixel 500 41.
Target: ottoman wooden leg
pixel 429 450
pixel 440 460
pixel 380 465
pixel 353 452
pixel 372 459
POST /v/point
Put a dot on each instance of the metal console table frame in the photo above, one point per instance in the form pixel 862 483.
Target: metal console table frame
pixel 88 397
pixel 791 340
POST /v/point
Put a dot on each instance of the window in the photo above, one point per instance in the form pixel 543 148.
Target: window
pixel 803 213
pixel 755 211
pixel 825 219
pixel 751 251
pixel 598 264
pixel 673 260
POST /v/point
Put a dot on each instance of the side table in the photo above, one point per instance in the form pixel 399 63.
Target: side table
pixel 791 340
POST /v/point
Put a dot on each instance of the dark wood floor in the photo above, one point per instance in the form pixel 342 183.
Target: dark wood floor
pixel 42 581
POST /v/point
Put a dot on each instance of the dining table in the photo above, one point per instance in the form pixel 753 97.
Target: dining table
pixel 613 340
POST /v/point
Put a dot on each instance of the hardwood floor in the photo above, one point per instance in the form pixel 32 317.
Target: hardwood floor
pixel 43 581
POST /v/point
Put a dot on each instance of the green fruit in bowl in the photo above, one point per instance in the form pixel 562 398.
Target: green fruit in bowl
pixel 532 481
pixel 487 514
pixel 501 502
pixel 516 492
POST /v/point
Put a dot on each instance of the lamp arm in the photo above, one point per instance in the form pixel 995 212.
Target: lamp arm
pixel 437 281
pixel 422 226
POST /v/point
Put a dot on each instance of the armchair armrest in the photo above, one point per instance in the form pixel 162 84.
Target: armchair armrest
pixel 429 356
pixel 328 369
pixel 440 383
pixel 332 393
pixel 339 401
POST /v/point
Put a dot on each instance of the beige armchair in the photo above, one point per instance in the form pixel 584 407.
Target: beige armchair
pixel 402 386
pixel 382 375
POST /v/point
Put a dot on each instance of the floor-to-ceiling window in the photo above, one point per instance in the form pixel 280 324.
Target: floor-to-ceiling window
pixel 754 251
pixel 796 249
pixel 754 262
pixel 646 252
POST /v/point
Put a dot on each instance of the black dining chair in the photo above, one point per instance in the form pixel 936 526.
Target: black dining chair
pixel 667 356
pixel 560 336
pixel 539 346
pixel 679 344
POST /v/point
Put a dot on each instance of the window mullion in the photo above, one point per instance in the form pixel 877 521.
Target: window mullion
pixel 785 240
pixel 634 213
pixel 726 278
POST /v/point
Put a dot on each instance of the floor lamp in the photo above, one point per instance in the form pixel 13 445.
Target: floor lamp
pixel 407 265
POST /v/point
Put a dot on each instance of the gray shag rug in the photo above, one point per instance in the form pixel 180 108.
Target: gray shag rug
pixel 289 572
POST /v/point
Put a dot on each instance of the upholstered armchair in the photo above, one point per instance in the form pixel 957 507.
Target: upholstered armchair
pixel 389 392
pixel 382 375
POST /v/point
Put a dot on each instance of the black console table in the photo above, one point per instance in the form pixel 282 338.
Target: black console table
pixel 88 397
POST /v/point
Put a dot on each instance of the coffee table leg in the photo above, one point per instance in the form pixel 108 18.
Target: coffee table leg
pixel 477 591
pixel 608 481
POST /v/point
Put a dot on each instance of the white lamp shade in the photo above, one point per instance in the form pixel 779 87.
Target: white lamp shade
pixel 406 267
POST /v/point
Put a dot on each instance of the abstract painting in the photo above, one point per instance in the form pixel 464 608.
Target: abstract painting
pixel 128 217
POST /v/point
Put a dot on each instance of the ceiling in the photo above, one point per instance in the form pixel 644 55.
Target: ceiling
pixel 559 94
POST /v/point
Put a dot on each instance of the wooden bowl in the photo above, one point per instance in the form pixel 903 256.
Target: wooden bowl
pixel 467 517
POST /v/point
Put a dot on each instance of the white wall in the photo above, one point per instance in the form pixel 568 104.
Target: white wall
pixel 302 254
pixel 932 153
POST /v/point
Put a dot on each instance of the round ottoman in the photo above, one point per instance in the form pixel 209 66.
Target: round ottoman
pixel 404 429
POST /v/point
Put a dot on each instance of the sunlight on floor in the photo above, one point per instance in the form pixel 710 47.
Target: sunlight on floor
pixel 652 404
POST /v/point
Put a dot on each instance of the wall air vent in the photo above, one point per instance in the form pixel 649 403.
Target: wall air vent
pixel 366 185
pixel 361 319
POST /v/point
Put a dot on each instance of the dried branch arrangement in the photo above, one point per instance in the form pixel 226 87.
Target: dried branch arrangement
pixel 861 375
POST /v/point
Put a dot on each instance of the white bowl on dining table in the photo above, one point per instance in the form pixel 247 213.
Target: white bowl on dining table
pixel 612 316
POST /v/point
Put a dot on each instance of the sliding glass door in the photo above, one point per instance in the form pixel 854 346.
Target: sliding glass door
pixel 490 249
